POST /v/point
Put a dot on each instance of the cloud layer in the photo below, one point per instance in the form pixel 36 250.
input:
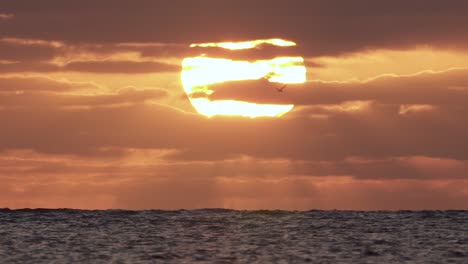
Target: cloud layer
pixel 94 116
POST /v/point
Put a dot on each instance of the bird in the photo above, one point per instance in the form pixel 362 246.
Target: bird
pixel 280 90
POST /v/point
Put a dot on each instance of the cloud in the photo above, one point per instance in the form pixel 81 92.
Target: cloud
pixel 293 194
pixel 147 163
pixel 15 52
pixel 37 55
pixel 378 131
pixel 374 130
pixel 55 101
pixel 427 88
pixel 121 67
pixel 350 27
pixel 72 137
pixel 140 179
pixel 110 67
pixel 6 16
pixel 261 52
pixel 13 84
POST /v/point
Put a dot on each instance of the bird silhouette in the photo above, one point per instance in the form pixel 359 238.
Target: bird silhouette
pixel 280 90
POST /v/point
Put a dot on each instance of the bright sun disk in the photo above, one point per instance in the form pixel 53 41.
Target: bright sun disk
pixel 200 72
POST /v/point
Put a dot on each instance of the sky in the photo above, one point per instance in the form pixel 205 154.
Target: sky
pixel 94 115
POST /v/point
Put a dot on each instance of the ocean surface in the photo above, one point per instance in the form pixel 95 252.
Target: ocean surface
pixel 228 236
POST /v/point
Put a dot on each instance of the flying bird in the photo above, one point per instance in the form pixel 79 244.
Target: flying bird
pixel 280 90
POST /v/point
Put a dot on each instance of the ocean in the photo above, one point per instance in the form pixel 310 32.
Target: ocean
pixel 229 236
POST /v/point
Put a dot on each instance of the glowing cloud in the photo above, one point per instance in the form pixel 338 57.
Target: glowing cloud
pixel 246 44
pixel 200 72
pixel 6 16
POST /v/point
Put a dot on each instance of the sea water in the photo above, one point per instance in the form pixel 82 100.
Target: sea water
pixel 228 236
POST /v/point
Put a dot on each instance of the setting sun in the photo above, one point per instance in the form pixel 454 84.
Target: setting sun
pixel 198 73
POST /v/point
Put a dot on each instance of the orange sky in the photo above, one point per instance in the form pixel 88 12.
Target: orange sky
pixel 93 113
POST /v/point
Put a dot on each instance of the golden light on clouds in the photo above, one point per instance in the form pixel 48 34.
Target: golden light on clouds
pixel 246 44
pixel 200 72
pixel 6 16
pixel 24 41
pixel 362 66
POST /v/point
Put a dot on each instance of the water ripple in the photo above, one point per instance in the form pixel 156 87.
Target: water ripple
pixel 227 236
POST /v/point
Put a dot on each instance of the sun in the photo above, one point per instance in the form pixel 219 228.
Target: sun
pixel 199 72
